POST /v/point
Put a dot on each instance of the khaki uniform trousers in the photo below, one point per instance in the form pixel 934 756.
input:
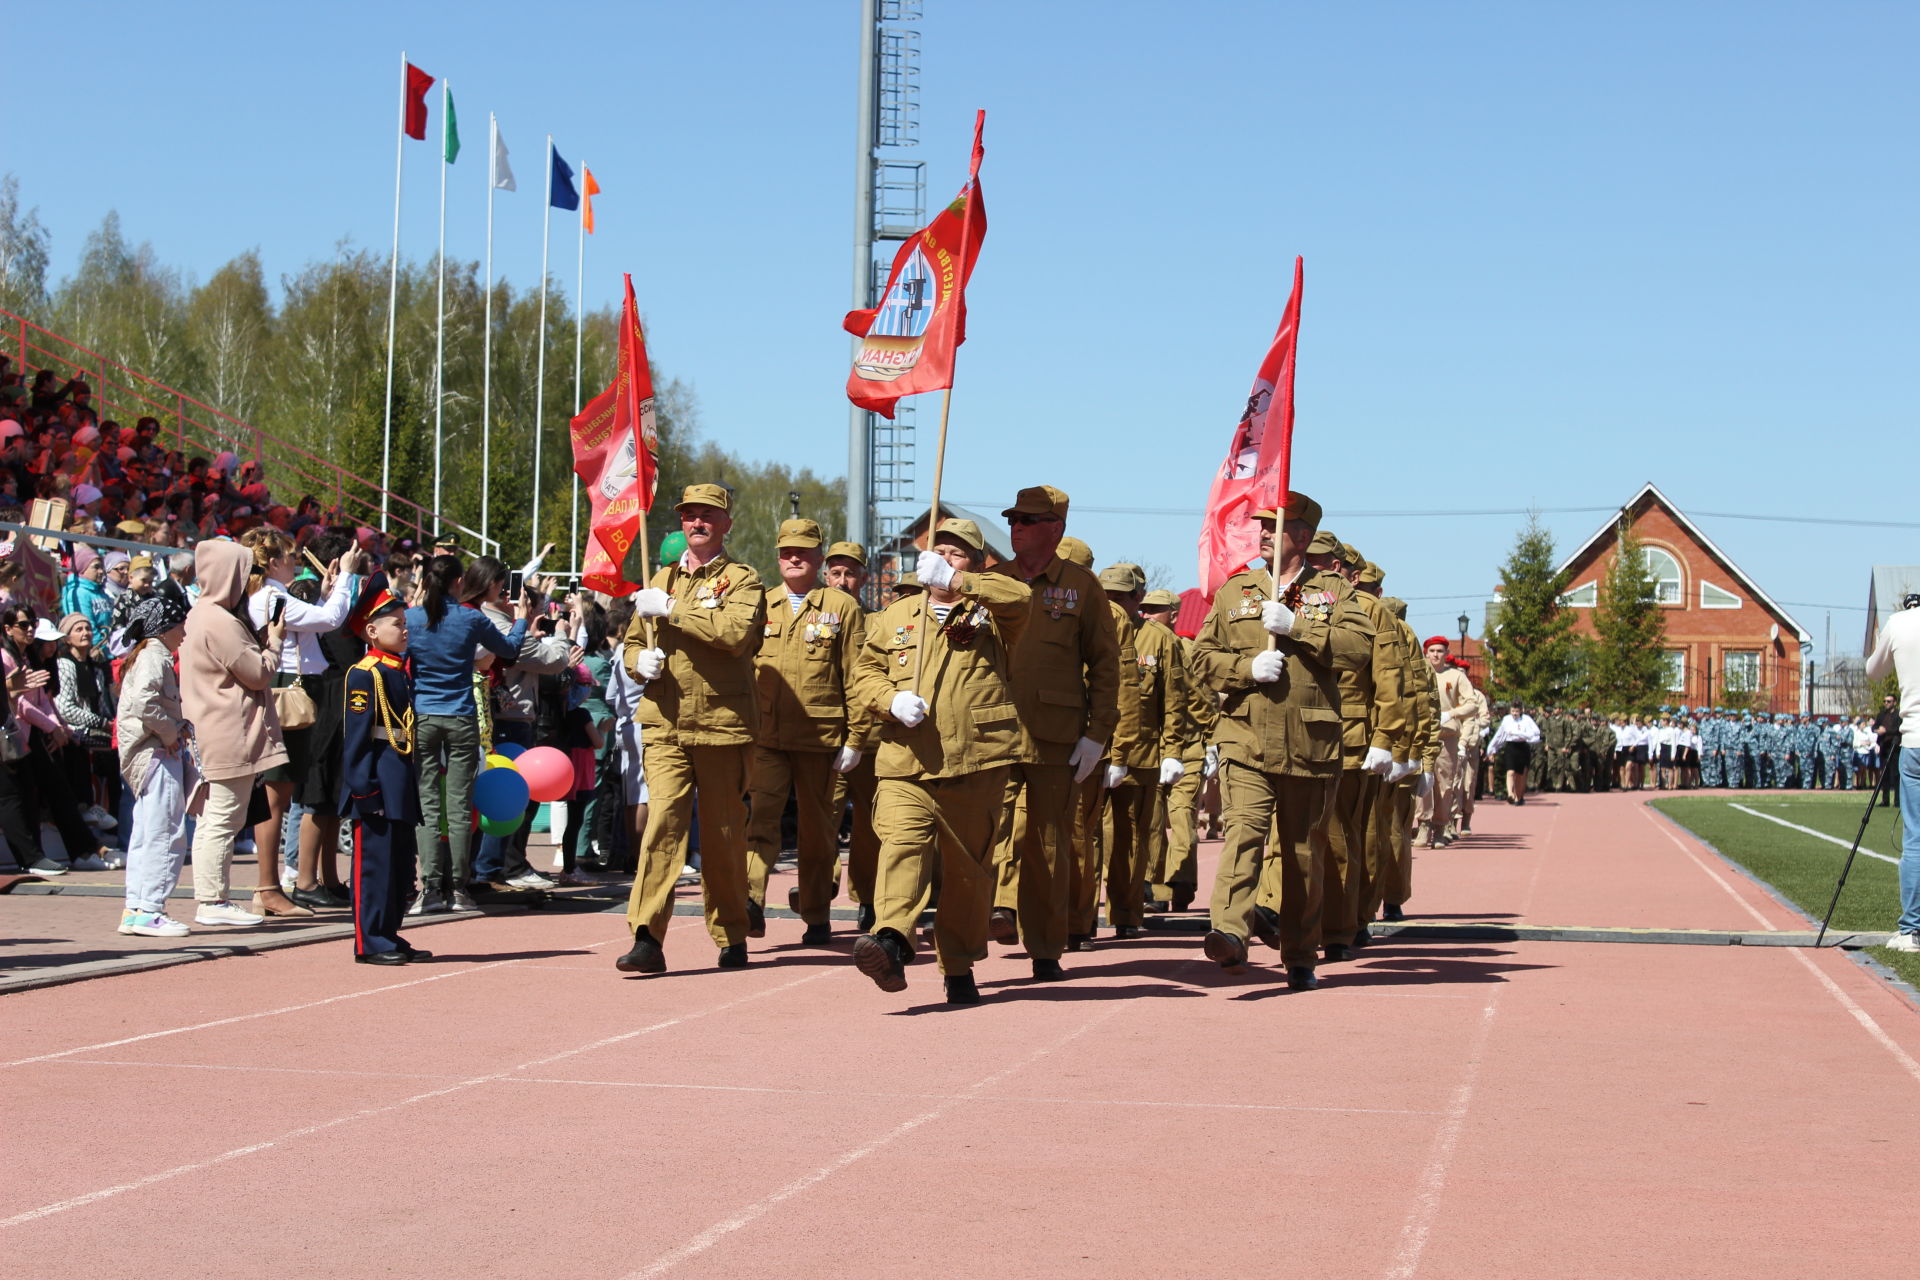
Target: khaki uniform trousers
pixel 1035 862
pixel 674 773
pixel 1285 875
pixel 863 849
pixel 1440 808
pixel 1389 870
pixel 810 776
pixel 1469 779
pixel 1340 846
pixel 1091 840
pixel 960 821
pixel 1183 840
pixel 1130 816
pixel 1157 844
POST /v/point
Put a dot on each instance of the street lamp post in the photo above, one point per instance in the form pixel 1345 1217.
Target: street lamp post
pixel 1465 622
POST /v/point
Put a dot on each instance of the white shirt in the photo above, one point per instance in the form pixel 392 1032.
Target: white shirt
pixel 1898 651
pixel 306 623
pixel 1514 728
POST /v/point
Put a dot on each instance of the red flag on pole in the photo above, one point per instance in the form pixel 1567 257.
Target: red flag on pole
pixel 909 339
pixel 614 448
pixel 1255 474
pixel 418 82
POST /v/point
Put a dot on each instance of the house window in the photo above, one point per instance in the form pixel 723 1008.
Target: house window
pixel 1584 596
pixel 1712 597
pixel 1676 664
pixel 1665 572
pixel 1742 670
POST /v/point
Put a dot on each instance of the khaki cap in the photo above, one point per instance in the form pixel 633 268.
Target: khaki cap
pixel 132 528
pixel 1160 598
pixel 1120 578
pixel 1299 507
pixel 799 533
pixel 707 495
pixel 906 584
pixel 1369 572
pixel 1074 551
pixel 1323 544
pixel 851 550
pixel 965 530
pixel 1396 604
pixel 1039 500
pixel 1351 557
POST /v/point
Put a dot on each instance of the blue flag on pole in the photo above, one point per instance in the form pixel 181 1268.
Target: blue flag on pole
pixel 561 193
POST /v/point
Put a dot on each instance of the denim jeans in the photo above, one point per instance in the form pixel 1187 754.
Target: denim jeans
pixel 1910 840
pixel 503 857
pixel 157 843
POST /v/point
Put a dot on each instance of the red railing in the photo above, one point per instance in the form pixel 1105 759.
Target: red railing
pixel 126 394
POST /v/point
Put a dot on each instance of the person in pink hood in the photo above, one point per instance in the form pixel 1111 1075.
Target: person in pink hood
pixel 226 682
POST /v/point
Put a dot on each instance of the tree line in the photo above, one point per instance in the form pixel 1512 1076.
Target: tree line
pixel 309 368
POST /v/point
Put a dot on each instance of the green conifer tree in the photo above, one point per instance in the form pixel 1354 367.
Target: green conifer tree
pixel 1531 637
pixel 1628 671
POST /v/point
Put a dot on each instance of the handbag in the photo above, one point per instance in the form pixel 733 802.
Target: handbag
pixel 295 707
pixel 13 743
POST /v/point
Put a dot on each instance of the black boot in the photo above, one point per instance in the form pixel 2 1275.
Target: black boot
pixel 883 957
pixel 817 935
pixel 1300 977
pixel 756 919
pixel 1391 911
pixel 734 956
pixel 961 989
pixel 645 957
pixel 1225 950
pixel 1266 926
pixel 1048 971
pixel 866 917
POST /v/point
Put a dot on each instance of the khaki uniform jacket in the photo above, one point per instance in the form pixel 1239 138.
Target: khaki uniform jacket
pixel 1424 743
pixel 802 672
pixel 1066 663
pixel 1374 708
pixel 1455 691
pixel 705 698
pixel 1158 674
pixel 973 722
pixel 1291 726
pixel 1473 724
pixel 1129 730
pixel 1203 704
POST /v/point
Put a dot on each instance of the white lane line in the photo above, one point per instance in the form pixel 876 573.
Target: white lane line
pixel 125 1064
pixel 274 1013
pixel 368 1113
pixel 727 1226
pixel 1818 835
pixel 1666 830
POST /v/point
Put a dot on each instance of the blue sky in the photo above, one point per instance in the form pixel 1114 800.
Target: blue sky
pixel 1552 251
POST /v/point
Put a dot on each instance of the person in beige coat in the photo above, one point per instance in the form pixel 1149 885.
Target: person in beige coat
pixel 226 682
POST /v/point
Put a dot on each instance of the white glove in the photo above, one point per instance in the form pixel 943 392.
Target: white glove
pixel 908 708
pixel 846 760
pixel 652 602
pixel 1379 760
pixel 1424 787
pixel 1116 774
pixel 1212 765
pixel 934 570
pixel 1085 755
pixel 1267 665
pixel 1276 618
pixel 1171 771
pixel 1400 769
pixel 651 664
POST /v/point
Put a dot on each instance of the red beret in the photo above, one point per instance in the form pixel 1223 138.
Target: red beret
pixel 1442 641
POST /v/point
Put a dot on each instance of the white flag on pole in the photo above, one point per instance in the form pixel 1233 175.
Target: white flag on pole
pixel 502 171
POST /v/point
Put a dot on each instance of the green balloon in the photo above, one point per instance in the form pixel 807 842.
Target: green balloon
pixel 672 547
pixel 507 828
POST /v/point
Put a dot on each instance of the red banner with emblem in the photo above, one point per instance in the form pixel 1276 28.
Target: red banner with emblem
pixel 907 342
pixel 614 454
pixel 1255 475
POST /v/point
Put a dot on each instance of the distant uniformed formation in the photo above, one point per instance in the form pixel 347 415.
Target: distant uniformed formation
pixel 1681 748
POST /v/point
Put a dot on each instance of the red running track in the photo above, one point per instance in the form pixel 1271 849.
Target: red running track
pixel 516 1108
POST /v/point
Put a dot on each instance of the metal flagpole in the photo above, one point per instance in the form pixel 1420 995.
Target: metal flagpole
pixel 393 294
pixel 440 319
pixel 579 312
pixel 540 374
pixel 486 339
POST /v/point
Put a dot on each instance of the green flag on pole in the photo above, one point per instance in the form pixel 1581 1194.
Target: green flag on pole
pixel 453 131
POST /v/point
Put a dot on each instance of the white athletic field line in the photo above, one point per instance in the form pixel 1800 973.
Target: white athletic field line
pixel 274 1013
pixel 727 1226
pixel 1418 1226
pixel 368 1113
pixel 1818 835
pixel 1666 830
pixel 1847 1002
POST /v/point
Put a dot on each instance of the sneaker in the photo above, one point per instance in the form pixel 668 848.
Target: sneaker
pixel 115 860
pixel 48 867
pixel 418 907
pixel 95 816
pixel 1904 942
pixel 224 912
pixel 530 880
pixel 92 862
pixel 151 924
pixel 462 901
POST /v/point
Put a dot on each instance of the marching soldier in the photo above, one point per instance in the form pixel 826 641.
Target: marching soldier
pixel 380 786
pixel 1473 730
pixel 847 571
pixel 1390 851
pixel 1087 839
pixel 1268 646
pixel 807 739
pixel 946 756
pixel 1453 703
pixel 1176 883
pixel 1066 677
pixel 695 630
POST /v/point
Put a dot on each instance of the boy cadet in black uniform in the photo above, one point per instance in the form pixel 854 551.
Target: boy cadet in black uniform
pixel 380 789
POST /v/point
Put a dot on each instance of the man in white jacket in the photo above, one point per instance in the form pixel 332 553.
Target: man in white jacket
pixel 1898 651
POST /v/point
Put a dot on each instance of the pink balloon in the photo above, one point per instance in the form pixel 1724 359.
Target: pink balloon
pixel 549 773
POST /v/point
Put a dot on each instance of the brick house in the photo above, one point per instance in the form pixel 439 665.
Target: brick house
pixel 1727 640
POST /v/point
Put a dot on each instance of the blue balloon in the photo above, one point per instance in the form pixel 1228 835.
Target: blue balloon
pixel 500 794
pixel 511 750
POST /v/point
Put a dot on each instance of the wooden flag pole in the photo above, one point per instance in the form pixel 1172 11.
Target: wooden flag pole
pixel 933 520
pixel 639 549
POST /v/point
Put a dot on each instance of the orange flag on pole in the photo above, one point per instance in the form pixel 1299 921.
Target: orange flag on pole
pixel 589 190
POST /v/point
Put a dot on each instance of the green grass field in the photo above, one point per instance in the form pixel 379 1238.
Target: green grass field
pixel 1803 868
